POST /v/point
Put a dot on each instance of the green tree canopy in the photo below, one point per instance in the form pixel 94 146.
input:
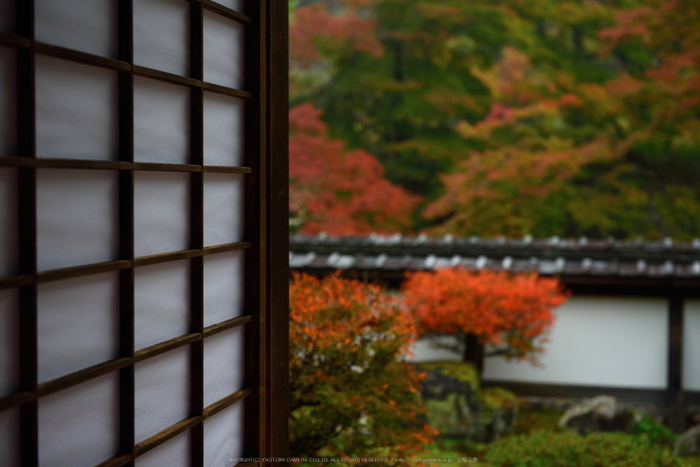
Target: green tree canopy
pixel 514 117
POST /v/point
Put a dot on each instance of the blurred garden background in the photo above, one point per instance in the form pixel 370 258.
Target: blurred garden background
pixel 487 118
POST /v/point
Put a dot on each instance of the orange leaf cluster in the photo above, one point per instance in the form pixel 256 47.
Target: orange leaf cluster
pixel 499 308
pixel 332 313
pixel 350 392
pixel 341 192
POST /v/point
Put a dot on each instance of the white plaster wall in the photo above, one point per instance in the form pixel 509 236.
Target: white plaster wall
pixel 596 341
pixel 424 350
pixel 599 341
pixel 691 345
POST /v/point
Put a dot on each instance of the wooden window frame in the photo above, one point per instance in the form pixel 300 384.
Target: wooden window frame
pixel 266 233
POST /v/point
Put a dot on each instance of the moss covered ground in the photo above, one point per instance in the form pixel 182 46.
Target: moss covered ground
pixel 462 371
pixel 529 420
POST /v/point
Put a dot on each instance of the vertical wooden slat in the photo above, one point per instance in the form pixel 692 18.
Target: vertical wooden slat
pixel 277 227
pixel 255 267
pixel 126 230
pixel 29 437
pixel 197 229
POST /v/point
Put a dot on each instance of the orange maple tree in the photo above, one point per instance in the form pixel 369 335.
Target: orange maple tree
pixel 338 191
pixel 509 312
pixel 350 393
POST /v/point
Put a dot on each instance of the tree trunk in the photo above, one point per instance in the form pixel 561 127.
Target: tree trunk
pixel 474 352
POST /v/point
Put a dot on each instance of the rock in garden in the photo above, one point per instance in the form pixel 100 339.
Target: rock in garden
pixel 688 443
pixel 601 413
pixel 458 409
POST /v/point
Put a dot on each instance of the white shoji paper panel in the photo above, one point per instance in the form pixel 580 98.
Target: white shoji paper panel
pixel 691 345
pixel 78 323
pixel 86 25
pixel 174 453
pixel 80 425
pixel 9 342
pixel 8 97
pixel 223 436
pixel 223 51
pixel 223 208
pixel 224 130
pixel 162 388
pixel 161 35
pixel 161 212
pixel 76 110
pixel 8 222
pixel 232 4
pixel 9 438
pixel 161 122
pixel 77 217
pixel 224 281
pixel 223 364
pixel 161 302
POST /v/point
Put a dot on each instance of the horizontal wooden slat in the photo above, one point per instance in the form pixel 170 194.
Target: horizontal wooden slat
pixel 166 435
pixel 11 282
pixel 16 161
pixel 220 169
pixel 81 376
pixel 117 461
pixel 118 165
pixel 118 265
pixel 15 41
pixel 81 57
pixel 79 271
pixel 79 164
pixel 227 401
pixel 165 76
pixel 155 167
pixel 227 12
pixel 166 257
pixel 190 82
pixel 211 250
pixel 226 325
pixel 215 88
pixel 166 346
pixel 15 399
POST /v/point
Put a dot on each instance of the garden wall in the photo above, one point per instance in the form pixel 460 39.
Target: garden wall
pixel 597 341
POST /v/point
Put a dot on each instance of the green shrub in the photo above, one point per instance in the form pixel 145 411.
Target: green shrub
pixel 655 432
pixel 569 449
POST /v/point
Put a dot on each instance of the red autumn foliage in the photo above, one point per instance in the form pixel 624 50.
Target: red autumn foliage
pixel 314 24
pixel 338 191
pixel 511 312
pixel 350 393
pixel 672 29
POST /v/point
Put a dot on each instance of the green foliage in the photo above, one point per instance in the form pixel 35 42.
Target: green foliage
pixel 568 449
pixel 654 432
pixel 462 371
pixel 530 420
pixel 496 398
pixel 541 117
pixel 691 461
pixel 349 392
pixel 462 452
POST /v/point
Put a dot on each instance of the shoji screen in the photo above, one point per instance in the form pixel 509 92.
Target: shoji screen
pixel 135 245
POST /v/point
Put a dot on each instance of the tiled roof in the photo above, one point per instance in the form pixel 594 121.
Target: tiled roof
pixel 552 256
